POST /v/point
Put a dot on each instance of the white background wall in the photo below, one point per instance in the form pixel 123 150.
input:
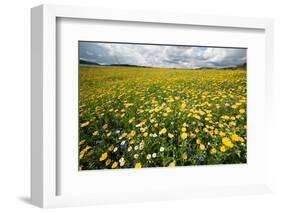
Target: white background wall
pixel 15 103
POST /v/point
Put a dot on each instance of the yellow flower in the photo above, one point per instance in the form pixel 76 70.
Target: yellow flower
pixel 216 131
pixel 183 135
pixel 227 142
pixel 242 111
pixel 197 117
pixel 82 142
pixel 108 161
pixel 223 148
pixel 172 164
pixel 170 100
pixel 197 130
pixel 192 135
pixel 114 165
pixel 105 126
pixel 235 137
pixel 145 134
pixel 85 124
pixel 198 141
pixel 152 120
pixel 131 141
pixel 202 147
pixel 142 123
pixel 110 148
pixel 163 131
pixel 128 105
pixel 131 120
pixel 183 129
pixel 185 125
pixel 184 156
pixel 170 135
pixel 108 134
pixel 95 133
pixel 182 107
pixel 241 140
pixel 232 123
pixel 225 117
pixel 222 134
pixel 103 156
pixel 82 153
pixel 213 151
pixel 138 165
pixel 124 135
pixel 132 134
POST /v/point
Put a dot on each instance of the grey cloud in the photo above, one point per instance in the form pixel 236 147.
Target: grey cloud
pixel 162 55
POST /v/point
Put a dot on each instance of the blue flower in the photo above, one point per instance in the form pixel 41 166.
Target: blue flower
pixel 189 149
pixel 201 158
pixel 122 131
pixel 102 129
pixel 123 145
pixel 114 132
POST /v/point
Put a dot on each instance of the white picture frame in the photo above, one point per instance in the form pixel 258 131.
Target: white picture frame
pixel 44 153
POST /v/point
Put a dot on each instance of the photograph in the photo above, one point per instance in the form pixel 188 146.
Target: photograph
pixel 161 105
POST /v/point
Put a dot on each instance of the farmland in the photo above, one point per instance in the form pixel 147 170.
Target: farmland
pixel 133 117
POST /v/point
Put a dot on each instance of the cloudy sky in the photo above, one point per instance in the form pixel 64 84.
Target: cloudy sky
pixel 161 55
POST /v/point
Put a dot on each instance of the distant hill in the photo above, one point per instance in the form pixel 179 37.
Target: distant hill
pixel 127 65
pixel 242 66
pixel 81 61
pixel 85 62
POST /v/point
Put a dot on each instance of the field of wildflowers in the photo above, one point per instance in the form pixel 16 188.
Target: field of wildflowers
pixel 133 117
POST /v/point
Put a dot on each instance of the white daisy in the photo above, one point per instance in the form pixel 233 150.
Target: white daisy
pixel 122 161
pixel 141 145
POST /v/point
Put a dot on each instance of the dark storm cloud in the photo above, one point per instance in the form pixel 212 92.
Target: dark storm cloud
pixel 162 56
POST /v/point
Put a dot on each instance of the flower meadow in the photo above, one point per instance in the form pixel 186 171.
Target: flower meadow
pixel 133 117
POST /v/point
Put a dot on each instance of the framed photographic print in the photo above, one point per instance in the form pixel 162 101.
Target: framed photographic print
pixel 144 105
pixel 149 106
